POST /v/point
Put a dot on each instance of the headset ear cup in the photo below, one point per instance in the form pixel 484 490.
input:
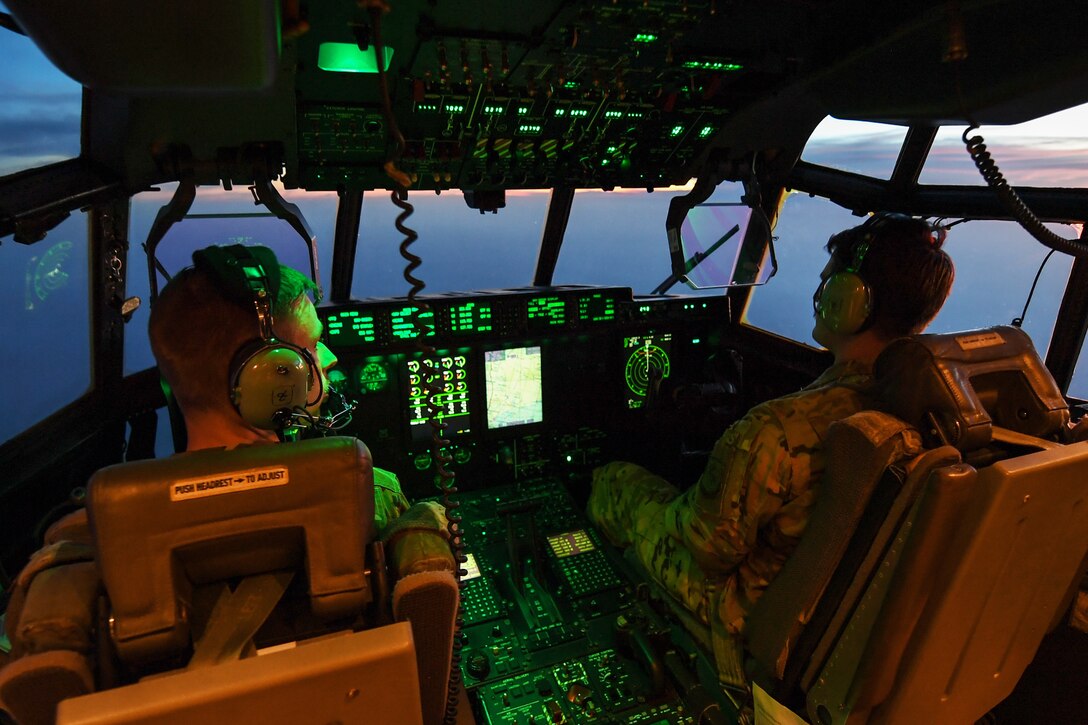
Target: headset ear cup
pixel 845 303
pixel 267 378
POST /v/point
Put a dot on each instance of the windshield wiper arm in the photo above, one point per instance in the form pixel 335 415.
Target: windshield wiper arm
pixel 695 260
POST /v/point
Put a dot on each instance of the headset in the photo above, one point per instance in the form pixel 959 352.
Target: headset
pixel 844 301
pixel 269 378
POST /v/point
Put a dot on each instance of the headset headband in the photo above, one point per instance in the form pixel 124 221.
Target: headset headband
pixel 251 274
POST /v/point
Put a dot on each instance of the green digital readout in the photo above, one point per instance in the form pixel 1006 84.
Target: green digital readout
pixel 546 312
pixel 713 65
pixel 448 379
pixel 597 307
pixel 470 318
pixel 350 327
pixel 404 320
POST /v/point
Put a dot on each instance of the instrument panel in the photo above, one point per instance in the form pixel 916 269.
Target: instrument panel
pixel 525 382
pixel 532 388
pixel 558 627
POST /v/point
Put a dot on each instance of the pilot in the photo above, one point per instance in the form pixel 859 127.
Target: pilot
pixel 197 326
pixel 716 546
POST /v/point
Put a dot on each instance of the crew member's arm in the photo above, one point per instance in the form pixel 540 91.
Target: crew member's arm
pixel 742 489
pixel 389 500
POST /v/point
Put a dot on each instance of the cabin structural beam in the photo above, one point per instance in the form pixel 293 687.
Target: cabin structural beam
pixel 551 240
pixel 865 194
pixel 1069 329
pixel 344 243
pixel 34 201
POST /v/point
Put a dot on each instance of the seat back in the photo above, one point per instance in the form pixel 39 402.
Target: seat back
pixel 352 678
pixel 864 481
pixel 162 526
pixel 174 536
pixel 984 567
pixel 913 558
pixel 955 388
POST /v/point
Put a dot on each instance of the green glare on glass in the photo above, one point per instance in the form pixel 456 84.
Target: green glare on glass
pixel 347 58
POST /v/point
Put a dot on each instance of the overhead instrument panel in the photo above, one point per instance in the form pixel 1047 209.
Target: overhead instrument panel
pixel 594 93
pixel 647 364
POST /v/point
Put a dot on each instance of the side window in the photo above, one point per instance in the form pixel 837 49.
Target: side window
pixel 1078 386
pixel 784 305
pixel 996 263
pixel 44 292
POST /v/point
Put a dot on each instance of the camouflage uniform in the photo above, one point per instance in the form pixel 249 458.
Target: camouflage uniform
pixel 389 501
pixel 716 546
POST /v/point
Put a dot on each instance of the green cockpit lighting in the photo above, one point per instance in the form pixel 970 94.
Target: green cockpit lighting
pixel 546 312
pixel 470 318
pixel 348 58
pixel 349 327
pixel 713 65
pixel 404 321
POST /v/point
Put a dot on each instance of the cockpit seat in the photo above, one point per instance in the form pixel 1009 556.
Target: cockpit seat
pixel 196 551
pixel 969 389
pixel 924 583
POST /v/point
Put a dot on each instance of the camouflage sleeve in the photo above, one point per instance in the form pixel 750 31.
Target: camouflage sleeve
pixel 389 501
pixel 719 518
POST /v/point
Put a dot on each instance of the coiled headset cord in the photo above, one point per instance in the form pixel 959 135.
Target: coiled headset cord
pixel 986 166
pixel 429 383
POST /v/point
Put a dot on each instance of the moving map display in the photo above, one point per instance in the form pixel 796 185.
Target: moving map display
pixel 513 382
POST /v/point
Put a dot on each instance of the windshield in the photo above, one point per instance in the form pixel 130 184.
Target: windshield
pixel 461 249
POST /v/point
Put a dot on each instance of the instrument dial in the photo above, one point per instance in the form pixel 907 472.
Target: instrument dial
pixel 645 364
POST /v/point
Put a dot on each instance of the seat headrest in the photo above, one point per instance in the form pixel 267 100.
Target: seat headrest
pixel 161 526
pixel 955 387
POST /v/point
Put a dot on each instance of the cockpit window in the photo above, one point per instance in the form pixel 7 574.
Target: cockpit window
pixel 784 305
pixel 1033 153
pixel 1078 386
pixel 461 248
pixel 860 147
pixel 40 114
pixel 996 263
pixel 46 325
pixel 618 238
